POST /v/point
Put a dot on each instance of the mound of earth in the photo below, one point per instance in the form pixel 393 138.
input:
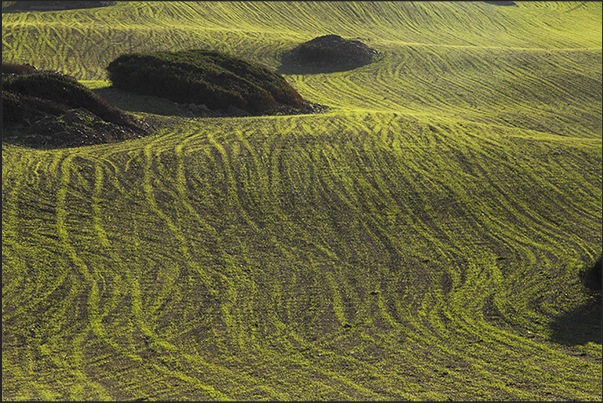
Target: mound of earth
pixel 327 53
pixel 15 6
pixel 213 80
pixel 47 109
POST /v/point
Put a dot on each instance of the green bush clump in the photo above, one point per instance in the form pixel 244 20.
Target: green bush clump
pixel 204 77
pixel 19 108
pixel 327 53
pixel 60 89
pixel 34 94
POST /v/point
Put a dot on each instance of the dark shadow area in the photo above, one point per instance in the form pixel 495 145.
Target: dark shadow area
pixel 326 54
pixel 592 277
pixel 22 6
pixel 579 326
pixel 583 325
pixel 129 102
pixel 501 3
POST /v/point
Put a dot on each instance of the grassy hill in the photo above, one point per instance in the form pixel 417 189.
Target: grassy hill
pixel 424 239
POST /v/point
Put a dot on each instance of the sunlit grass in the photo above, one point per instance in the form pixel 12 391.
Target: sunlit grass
pixel 422 240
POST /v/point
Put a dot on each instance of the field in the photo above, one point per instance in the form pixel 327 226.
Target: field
pixel 424 239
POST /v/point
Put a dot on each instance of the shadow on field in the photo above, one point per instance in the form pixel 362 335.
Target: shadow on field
pixel 579 326
pixel 501 3
pixel 583 324
pixel 141 103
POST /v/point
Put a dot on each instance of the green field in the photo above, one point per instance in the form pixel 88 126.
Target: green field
pixel 424 239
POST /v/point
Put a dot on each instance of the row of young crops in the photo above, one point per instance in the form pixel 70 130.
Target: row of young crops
pixel 422 240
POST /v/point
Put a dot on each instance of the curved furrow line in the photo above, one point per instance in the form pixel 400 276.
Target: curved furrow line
pixel 263 185
pixel 353 88
pixel 148 187
pixel 231 185
pixel 488 371
pixel 318 87
pixel 447 83
pixel 234 377
pixel 32 339
pixel 275 176
pixel 15 279
pixel 23 48
pixel 274 165
pixel 229 308
pixel 528 218
pixel 85 273
pixel 430 366
pixel 434 276
pixel 529 182
pixel 464 299
pixel 579 184
pixel 547 225
pixel 209 284
pixel 232 315
pixel 117 268
pixel 33 286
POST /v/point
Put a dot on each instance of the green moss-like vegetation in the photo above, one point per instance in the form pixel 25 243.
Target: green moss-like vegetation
pixel 424 239
pixel 204 77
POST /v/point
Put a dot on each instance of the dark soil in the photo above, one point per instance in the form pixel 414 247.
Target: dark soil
pixel 326 54
pixel 18 6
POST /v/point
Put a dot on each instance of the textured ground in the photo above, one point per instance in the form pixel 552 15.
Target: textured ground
pixel 421 240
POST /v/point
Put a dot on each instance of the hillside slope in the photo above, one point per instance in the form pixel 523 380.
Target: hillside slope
pixel 422 240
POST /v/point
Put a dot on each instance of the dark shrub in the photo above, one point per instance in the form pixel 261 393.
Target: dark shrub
pixel 203 77
pixel 29 97
pixel 15 68
pixel 57 88
pixel 19 108
pixel 501 3
pixel 328 53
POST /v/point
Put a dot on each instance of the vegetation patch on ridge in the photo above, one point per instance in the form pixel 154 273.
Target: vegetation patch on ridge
pixel 327 53
pixel 42 108
pixel 206 77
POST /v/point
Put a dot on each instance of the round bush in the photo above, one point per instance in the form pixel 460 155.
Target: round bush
pixel 58 88
pixel 203 77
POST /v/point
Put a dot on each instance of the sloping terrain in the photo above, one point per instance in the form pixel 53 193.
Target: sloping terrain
pixel 424 239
